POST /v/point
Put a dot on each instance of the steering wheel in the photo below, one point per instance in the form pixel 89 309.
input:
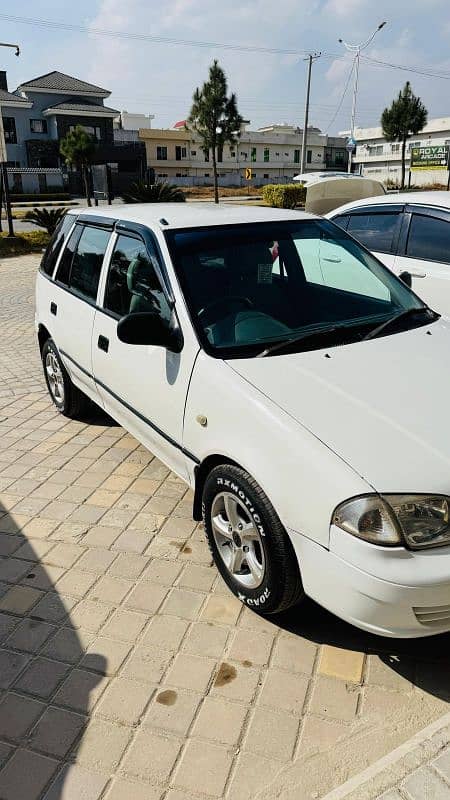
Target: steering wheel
pixel 232 298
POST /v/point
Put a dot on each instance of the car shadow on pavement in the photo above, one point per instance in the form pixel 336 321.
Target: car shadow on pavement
pixel 49 677
pixel 425 662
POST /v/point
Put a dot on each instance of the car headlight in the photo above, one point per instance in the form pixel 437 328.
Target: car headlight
pixel 393 519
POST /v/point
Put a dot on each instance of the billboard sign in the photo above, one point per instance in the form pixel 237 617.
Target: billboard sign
pixel 430 157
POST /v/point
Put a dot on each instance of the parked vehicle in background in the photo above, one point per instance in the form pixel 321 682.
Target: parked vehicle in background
pixel 328 190
pixel 410 233
pixel 297 385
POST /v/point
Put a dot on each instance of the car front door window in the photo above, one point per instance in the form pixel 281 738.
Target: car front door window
pixel 429 239
pixel 376 231
pixel 133 285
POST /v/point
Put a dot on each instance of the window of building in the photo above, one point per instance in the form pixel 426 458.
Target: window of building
pixel 193 152
pixel 161 153
pixel 266 154
pixel 253 155
pixel 132 284
pixel 9 127
pixel 308 156
pixel 180 152
pixel 206 174
pixel 429 238
pixel 413 144
pixel 163 174
pixel 296 156
pixel 395 147
pixel 266 175
pixel 38 125
pixel 375 150
pixel 232 153
pixel 375 231
pixel 92 130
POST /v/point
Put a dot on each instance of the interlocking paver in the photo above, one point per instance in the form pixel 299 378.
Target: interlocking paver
pixel 118 633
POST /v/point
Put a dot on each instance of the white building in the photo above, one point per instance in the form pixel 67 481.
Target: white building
pixel 127 125
pixel 377 158
pixel 273 153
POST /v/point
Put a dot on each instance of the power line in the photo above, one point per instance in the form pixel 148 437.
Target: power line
pixel 347 84
pixel 426 72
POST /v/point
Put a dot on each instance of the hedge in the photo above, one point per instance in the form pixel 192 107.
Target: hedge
pixel 38 196
pixel 283 195
pixel 23 243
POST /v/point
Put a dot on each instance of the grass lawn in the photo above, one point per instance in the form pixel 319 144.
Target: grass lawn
pixel 23 243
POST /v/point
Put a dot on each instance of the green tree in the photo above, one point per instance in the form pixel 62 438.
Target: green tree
pixel 78 148
pixel 406 116
pixel 215 117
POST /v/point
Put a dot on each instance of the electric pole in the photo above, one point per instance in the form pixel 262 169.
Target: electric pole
pixel 4 188
pixel 310 59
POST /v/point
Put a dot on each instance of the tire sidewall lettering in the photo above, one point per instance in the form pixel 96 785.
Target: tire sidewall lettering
pixel 226 483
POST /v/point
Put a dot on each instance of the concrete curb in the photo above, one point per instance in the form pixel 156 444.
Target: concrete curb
pixel 385 772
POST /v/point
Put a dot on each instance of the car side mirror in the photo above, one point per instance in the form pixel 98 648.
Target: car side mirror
pixel 147 327
pixel 406 278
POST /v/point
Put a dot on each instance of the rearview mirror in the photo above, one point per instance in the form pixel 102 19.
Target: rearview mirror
pixel 148 328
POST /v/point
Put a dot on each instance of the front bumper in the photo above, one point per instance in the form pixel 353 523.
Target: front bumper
pixel 387 591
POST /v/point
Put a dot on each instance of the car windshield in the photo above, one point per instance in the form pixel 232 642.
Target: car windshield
pixel 250 286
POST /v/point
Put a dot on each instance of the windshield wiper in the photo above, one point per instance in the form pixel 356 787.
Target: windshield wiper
pixel 310 334
pixel 408 312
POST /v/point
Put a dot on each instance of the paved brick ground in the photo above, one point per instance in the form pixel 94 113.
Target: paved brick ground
pixel 127 670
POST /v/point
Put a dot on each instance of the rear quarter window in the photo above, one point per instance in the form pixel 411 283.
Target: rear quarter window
pixel 56 244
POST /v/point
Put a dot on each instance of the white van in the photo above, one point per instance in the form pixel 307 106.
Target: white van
pixel 296 384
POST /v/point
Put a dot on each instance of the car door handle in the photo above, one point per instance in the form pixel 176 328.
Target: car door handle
pixel 53 309
pixel 417 274
pixel 103 343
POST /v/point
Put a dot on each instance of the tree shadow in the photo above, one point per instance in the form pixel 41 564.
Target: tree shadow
pixel 49 679
pixel 425 662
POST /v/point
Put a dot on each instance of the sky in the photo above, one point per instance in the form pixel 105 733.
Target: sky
pixel 159 77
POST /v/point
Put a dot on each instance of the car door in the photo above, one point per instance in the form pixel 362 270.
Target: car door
pixel 424 253
pixel 143 387
pixel 377 228
pixel 73 300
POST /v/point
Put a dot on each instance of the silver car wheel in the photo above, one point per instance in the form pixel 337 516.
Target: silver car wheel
pixel 238 540
pixel 55 377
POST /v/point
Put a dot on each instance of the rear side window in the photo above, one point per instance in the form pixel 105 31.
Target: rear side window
pixel 56 243
pixel 82 259
pixel 429 239
pixel 375 231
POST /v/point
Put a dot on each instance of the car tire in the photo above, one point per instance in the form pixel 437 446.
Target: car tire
pixel 67 398
pixel 237 514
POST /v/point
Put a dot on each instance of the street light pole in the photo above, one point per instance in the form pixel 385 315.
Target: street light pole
pixel 356 50
pixel 310 59
pixel 4 188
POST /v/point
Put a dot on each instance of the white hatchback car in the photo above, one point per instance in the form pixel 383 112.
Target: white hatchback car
pixel 298 386
pixel 410 233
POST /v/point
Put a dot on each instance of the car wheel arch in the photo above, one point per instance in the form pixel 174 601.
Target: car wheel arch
pixel 43 335
pixel 201 473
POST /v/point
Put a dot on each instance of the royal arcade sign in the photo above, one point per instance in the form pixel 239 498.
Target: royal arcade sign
pixel 430 157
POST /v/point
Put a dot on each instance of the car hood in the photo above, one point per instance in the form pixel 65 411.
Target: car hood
pixel 383 405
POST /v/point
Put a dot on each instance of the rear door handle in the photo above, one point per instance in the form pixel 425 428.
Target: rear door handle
pixel 53 308
pixel 418 274
pixel 103 343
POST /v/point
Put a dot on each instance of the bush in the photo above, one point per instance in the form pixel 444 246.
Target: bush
pixel 23 243
pixel 160 192
pixel 283 195
pixel 38 196
pixel 46 218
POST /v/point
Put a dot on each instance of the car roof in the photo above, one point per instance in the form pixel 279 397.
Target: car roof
pixel 190 215
pixel 434 199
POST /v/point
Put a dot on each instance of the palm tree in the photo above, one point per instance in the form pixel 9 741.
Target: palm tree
pixel 215 117
pixel 45 218
pixel 406 116
pixel 78 148
pixel 160 192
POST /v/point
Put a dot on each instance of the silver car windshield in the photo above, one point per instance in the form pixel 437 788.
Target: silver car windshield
pixel 253 285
